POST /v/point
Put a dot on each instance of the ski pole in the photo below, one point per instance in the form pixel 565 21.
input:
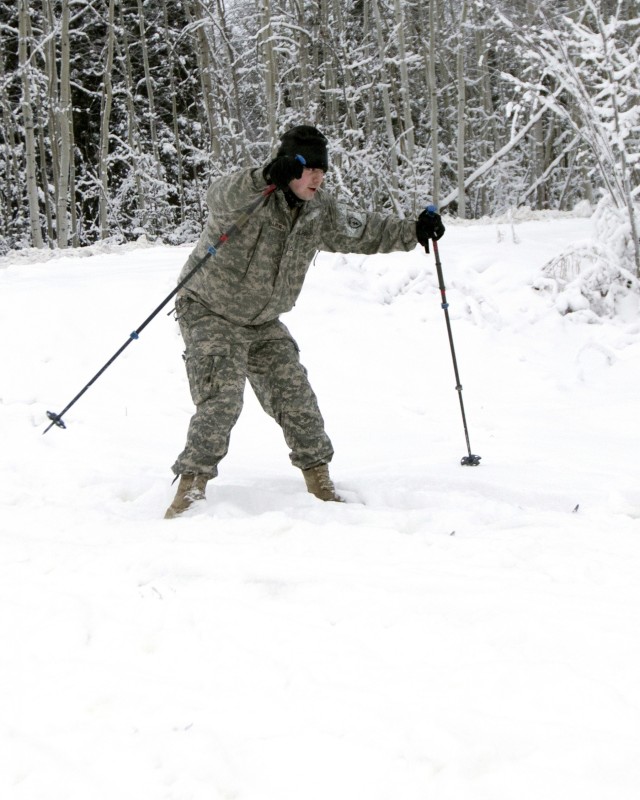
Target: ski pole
pixel 469 460
pixel 56 419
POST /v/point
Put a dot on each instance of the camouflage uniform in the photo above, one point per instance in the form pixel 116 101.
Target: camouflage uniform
pixel 228 313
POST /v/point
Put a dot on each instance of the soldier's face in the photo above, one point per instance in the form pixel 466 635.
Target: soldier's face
pixel 306 186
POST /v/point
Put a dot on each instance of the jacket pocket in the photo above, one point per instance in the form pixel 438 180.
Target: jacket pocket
pixel 253 245
pixel 264 253
pixel 205 370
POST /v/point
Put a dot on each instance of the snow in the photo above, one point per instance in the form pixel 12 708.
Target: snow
pixel 450 633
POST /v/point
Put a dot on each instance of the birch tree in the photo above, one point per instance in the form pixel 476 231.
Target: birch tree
pixel 433 103
pixel 405 88
pixel 11 183
pixel 105 122
pixel 386 105
pixel 462 99
pixel 64 122
pixel 269 68
pixel 29 132
pixel 205 70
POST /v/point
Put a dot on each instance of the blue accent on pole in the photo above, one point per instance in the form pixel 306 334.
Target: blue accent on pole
pixel 134 335
pixel 211 250
pixel 444 305
pixel 301 159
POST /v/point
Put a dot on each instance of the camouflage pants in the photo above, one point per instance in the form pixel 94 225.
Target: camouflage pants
pixel 220 356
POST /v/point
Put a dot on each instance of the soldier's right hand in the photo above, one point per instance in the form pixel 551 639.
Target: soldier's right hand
pixel 283 170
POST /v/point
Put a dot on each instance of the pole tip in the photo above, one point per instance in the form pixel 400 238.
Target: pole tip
pixel 56 419
pixel 470 461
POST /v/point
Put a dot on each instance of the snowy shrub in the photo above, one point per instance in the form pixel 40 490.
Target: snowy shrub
pixel 589 278
pixel 613 231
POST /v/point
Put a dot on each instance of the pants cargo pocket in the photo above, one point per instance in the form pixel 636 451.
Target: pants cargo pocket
pixel 205 370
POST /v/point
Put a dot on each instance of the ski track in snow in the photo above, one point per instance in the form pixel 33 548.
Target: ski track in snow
pixel 449 633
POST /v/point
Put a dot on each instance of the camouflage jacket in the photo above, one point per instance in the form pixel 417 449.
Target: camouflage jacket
pixel 258 273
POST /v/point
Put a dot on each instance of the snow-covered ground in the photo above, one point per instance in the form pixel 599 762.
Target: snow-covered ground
pixel 453 633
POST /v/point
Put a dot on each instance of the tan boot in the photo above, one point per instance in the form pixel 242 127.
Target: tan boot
pixel 319 483
pixel 190 489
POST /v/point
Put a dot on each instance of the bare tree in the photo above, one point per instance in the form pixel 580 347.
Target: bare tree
pixel 462 100
pixel 105 121
pixel 433 102
pixel 64 123
pixel 269 68
pixel 29 133
pixel 10 186
pixel 204 56
pixel 405 88
pixel 386 105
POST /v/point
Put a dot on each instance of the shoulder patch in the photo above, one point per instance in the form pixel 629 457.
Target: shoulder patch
pixel 351 222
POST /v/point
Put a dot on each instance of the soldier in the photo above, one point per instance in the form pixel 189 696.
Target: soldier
pixel 229 311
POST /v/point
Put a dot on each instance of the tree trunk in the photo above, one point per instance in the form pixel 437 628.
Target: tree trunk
pixel 11 182
pixel 487 133
pixel 46 195
pixel 133 139
pixel 297 12
pixel 174 114
pixel 203 57
pixel 105 119
pixel 462 102
pixel 64 132
pixel 150 90
pixel 433 102
pixel 269 68
pixel 405 89
pixel 29 133
pixel 51 115
pixel 386 104
pixel 233 60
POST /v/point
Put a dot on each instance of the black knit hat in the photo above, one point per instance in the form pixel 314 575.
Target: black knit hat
pixel 307 141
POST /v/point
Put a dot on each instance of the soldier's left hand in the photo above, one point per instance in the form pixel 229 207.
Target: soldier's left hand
pixel 429 226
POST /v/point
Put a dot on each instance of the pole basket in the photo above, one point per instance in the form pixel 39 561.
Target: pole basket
pixel 56 419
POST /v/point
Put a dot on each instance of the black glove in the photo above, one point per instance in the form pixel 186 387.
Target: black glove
pixel 429 226
pixel 283 170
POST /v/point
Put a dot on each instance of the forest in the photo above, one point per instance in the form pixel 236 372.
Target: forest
pixel 116 114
